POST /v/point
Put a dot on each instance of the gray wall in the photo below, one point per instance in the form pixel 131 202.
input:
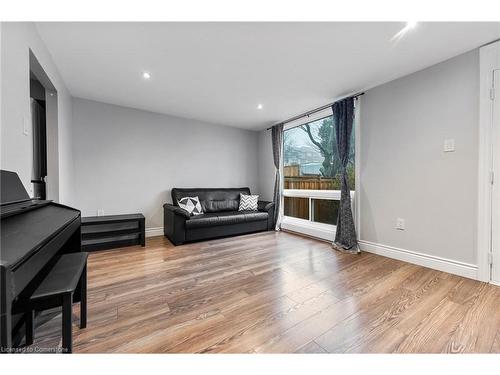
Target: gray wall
pixel 17 38
pixel 266 165
pixel 128 160
pixel 404 171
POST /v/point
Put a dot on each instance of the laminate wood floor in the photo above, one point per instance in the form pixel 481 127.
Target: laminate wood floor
pixel 274 293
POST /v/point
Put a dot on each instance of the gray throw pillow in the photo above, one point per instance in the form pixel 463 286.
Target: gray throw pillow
pixel 191 205
pixel 248 202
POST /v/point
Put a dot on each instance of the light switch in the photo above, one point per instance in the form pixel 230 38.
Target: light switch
pixel 400 224
pixel 449 145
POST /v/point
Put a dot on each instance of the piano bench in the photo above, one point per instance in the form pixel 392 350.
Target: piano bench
pixel 57 289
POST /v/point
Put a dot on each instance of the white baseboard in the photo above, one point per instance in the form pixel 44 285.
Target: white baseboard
pixel 430 261
pixel 152 232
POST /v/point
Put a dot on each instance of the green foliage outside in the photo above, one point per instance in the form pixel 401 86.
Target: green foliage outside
pixel 324 139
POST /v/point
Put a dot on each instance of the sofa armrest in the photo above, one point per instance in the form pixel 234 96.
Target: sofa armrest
pixel 268 207
pixel 174 223
pixel 176 210
pixel 265 206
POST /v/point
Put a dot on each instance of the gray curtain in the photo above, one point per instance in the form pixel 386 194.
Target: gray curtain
pixel 277 141
pixel 343 116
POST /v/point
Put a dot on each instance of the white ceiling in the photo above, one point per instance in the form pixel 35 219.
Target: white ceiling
pixel 220 72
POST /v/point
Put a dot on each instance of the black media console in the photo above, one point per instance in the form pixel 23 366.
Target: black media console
pixel 106 232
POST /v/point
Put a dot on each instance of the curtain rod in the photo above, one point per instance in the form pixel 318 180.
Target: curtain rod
pixel 308 113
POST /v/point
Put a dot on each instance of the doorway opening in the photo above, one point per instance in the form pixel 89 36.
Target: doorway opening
pixel 39 132
pixel 44 122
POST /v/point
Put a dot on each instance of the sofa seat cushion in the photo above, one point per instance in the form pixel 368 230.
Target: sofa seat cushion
pixel 224 218
pixel 236 217
pixel 204 220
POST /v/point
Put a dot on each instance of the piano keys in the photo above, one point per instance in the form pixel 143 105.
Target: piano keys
pixel 33 235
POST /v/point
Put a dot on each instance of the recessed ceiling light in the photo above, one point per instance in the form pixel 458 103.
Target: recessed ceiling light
pixel 409 26
pixel 146 75
pixel 259 106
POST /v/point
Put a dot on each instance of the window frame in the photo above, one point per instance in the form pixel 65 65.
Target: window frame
pixel 309 227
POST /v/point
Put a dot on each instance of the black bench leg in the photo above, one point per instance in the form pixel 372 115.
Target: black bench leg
pixel 30 330
pixel 67 340
pixel 83 303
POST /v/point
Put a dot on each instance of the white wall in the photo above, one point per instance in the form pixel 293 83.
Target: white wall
pixel 128 160
pixel 51 114
pixel 16 148
pixel 404 171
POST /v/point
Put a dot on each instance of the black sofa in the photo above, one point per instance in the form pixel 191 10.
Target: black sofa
pixel 221 217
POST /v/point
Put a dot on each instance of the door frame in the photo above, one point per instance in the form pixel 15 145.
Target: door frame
pixel 489 60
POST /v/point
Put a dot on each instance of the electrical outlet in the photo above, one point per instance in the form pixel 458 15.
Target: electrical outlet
pixel 100 212
pixel 400 224
pixel 449 145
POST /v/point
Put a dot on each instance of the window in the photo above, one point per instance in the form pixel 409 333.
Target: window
pixel 297 207
pixel 311 171
pixel 325 211
pixel 310 159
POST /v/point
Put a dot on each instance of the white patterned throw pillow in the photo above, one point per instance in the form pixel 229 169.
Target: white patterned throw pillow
pixel 248 202
pixel 191 205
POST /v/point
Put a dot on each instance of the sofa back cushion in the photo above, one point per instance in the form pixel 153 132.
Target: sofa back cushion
pixel 212 199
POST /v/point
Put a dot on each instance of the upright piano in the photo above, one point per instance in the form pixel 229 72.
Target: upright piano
pixel 33 235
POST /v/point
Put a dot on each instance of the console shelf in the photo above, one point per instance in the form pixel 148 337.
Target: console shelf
pixel 106 232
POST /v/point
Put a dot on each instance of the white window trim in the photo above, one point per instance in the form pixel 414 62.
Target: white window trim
pixel 357 168
pixel 309 227
pixel 315 194
pixel 308 119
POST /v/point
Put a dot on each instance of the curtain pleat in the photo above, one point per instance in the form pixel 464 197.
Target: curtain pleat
pixel 277 143
pixel 343 117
